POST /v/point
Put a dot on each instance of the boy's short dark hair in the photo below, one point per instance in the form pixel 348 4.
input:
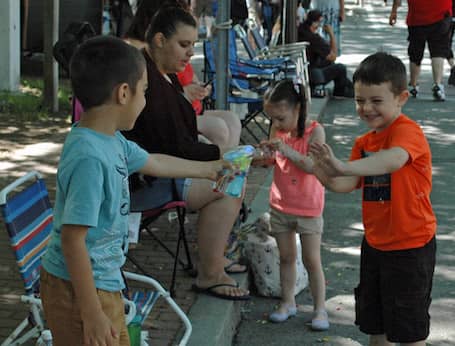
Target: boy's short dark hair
pixel 99 65
pixel 380 68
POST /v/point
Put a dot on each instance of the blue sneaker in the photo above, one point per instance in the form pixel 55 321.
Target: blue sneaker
pixel 320 324
pixel 279 317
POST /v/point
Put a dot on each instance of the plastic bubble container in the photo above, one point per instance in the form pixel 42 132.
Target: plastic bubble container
pixel 233 180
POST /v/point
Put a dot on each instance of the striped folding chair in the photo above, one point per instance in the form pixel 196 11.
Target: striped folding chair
pixel 27 214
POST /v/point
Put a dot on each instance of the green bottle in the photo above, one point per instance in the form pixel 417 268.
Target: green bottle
pixel 134 331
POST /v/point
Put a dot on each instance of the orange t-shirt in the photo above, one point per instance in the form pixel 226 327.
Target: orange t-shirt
pixel 396 207
pixel 294 191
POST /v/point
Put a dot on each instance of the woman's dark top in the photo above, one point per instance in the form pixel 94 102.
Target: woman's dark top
pixel 167 124
pixel 318 49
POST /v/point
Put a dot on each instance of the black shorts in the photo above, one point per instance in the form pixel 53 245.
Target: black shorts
pixel 394 293
pixel 437 35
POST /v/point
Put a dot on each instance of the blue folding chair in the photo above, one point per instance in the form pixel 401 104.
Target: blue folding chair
pixel 27 214
pixel 28 220
pixel 246 86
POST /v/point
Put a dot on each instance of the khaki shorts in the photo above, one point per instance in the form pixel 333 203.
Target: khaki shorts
pixel 281 222
pixel 63 316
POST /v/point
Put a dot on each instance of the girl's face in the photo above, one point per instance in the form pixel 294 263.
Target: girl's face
pixel 177 50
pixel 284 116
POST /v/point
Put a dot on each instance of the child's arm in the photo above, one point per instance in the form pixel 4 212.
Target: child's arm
pixel 302 161
pixel 336 184
pixel 382 162
pixel 98 329
pixel 159 165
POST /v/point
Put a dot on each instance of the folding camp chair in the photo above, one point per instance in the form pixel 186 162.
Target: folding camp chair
pixel 28 219
pixel 27 214
pixel 290 58
pixel 246 85
pixel 147 219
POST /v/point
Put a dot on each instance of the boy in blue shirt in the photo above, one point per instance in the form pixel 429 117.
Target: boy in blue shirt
pixel 81 279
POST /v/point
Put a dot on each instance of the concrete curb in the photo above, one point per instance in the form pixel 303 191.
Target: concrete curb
pixel 215 320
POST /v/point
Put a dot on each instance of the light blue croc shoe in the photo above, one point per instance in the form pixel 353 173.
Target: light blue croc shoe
pixel 322 323
pixel 278 317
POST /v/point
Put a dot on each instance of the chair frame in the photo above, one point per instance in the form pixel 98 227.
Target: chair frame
pixel 148 217
pixel 35 319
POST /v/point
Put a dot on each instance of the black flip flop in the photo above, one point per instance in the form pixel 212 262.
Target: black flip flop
pixel 211 292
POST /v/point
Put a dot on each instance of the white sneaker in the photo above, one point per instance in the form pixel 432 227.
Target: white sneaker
pixel 438 92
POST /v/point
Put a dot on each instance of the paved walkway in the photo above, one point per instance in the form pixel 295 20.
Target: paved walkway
pixel 37 145
pixel 365 31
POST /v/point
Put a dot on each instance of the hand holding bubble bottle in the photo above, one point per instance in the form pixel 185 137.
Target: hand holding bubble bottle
pixel 264 154
pixel 233 180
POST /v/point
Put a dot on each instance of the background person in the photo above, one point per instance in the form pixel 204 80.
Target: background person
pixel 333 13
pixel 220 127
pixel 168 125
pixel 322 56
pixel 430 23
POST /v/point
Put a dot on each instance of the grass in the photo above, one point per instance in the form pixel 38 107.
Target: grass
pixel 27 103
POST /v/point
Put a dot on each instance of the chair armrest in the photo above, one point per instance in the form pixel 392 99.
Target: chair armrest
pixel 166 295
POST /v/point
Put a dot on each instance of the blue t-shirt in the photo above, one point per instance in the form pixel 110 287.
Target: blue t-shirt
pixel 92 190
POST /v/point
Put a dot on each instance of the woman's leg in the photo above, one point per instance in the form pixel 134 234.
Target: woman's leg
pixel 217 214
pixel 311 255
pixel 288 269
pixel 220 127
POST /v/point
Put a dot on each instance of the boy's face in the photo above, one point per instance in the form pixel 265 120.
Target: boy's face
pixel 377 105
pixel 136 102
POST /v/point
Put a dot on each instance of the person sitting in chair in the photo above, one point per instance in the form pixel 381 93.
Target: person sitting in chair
pixel 321 56
pixel 168 125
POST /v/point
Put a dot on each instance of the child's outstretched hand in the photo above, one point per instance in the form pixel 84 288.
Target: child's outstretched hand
pixel 218 169
pixel 278 145
pixel 264 155
pixel 325 160
pixel 98 330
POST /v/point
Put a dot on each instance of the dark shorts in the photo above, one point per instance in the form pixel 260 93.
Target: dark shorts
pixel 158 192
pixel 437 35
pixel 394 293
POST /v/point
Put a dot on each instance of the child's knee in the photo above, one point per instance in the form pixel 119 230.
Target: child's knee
pixel 288 257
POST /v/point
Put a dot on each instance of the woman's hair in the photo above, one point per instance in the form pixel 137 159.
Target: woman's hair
pixel 144 14
pixel 166 21
pixel 285 90
pixel 312 16
pixel 99 65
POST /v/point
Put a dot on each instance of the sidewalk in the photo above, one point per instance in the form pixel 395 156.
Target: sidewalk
pixel 215 321
pixel 365 31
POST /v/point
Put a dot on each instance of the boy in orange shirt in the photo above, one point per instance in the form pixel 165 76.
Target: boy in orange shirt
pixel 392 165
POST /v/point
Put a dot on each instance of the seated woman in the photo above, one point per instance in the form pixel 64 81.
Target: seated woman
pixel 219 127
pixel 322 56
pixel 168 125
